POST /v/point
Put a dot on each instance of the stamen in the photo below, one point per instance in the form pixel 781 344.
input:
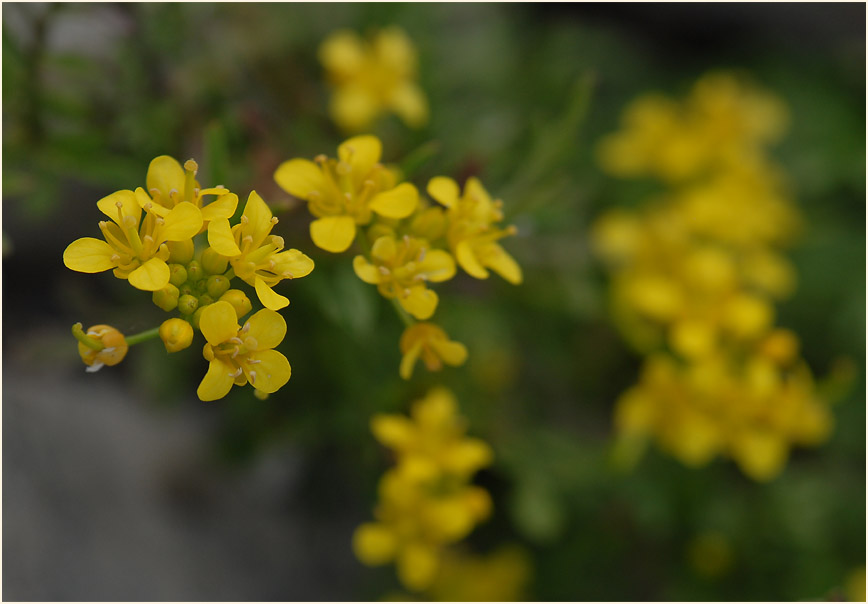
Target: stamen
pixel 235 340
pixel 236 373
pixel 253 377
pixel 246 327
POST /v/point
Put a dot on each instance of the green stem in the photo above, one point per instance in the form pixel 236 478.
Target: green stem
pixel 141 337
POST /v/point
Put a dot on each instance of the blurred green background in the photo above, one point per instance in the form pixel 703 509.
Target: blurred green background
pixel 122 485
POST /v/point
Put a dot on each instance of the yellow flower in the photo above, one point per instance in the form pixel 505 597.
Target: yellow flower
pixel 471 234
pixel 430 343
pixel 372 78
pixel 135 247
pixel 255 254
pixel 101 345
pixel 241 355
pixel 501 576
pixel 400 270
pixel 177 334
pixel 344 193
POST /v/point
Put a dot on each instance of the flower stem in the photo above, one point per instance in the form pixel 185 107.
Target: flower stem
pixel 141 337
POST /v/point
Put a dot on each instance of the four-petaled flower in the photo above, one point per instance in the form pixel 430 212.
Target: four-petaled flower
pixel 255 254
pixel 134 246
pixel 241 355
pixel 400 269
pixel 345 192
pixel 471 234
pixel 430 343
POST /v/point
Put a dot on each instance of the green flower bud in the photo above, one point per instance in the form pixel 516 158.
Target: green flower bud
pixel 186 289
pixel 180 252
pixel 217 285
pixel 239 301
pixel 177 334
pixel 205 300
pixel 177 274
pixel 214 263
pixel 187 304
pixel 166 298
pixel 194 271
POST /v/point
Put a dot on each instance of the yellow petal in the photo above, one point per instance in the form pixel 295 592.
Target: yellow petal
pixel 258 218
pixel 496 258
pixel 218 322
pixel 417 566
pixel 353 108
pixel 144 200
pixel 761 455
pixel 374 544
pixel 421 302
pixel 385 248
pixel 165 174
pixel 271 373
pixel 437 266
pixel 366 271
pixel 183 222
pixel 408 361
pixel 294 262
pixel 393 48
pixel 342 52
pixel 466 257
pixel 217 382
pixel 220 238
pixel 300 177
pixel 333 233
pixel 129 206
pixel 399 202
pixel 452 353
pixel 409 103
pixel 475 191
pixel 266 327
pixel 393 431
pixel 88 255
pixel 222 207
pixel 361 152
pixel 269 298
pixel 151 276
pixel 443 189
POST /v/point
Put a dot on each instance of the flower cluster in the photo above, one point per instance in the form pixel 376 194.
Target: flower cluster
pixel 372 77
pixel 695 274
pixel 408 242
pixel 426 500
pixel 151 241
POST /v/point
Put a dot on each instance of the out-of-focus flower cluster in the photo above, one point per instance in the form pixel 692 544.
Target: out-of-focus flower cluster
pixel 407 241
pixel 695 273
pixel 372 77
pixel 151 241
pixel 426 501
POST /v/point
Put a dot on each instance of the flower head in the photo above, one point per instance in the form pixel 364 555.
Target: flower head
pixel 472 234
pixel 401 268
pixel 430 343
pixel 344 193
pixel 241 355
pixel 256 255
pixel 371 78
pixel 135 245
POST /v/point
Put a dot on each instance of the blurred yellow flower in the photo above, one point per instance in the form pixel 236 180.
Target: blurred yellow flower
pixel 344 193
pixel 100 345
pixel 241 355
pixel 372 77
pixel 400 269
pixel 471 233
pixel 430 343
pixel 501 576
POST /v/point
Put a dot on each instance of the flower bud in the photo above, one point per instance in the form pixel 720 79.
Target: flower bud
pixel 101 345
pixel 187 289
pixel 205 300
pixel 187 304
pixel 177 274
pixel 166 298
pixel 194 271
pixel 239 301
pixel 214 263
pixel 180 252
pixel 217 285
pixel 177 334
pixel 195 319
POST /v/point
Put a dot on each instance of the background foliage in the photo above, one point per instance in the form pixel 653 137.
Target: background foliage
pixel 519 95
